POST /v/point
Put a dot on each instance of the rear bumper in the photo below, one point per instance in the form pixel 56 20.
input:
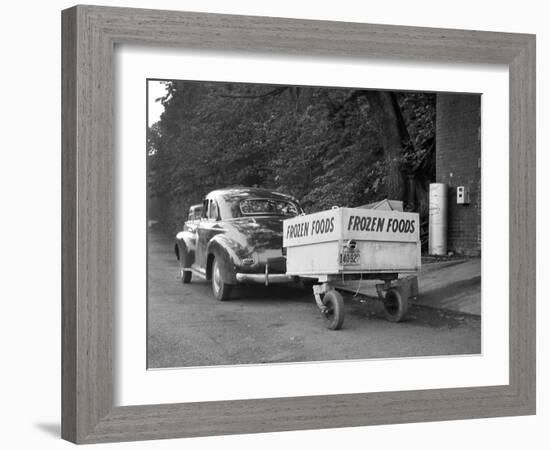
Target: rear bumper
pixel 264 278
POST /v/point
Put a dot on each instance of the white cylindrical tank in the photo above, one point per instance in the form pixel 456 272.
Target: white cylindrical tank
pixel 437 240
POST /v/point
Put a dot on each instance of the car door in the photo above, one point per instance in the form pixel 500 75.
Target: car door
pixel 208 227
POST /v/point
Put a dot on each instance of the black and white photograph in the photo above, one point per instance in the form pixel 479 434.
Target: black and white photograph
pixel 275 225
pixel 301 223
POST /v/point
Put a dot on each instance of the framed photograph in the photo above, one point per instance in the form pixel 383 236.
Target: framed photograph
pixel 277 224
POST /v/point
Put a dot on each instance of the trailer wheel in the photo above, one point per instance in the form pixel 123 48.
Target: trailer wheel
pixel 395 305
pixel 334 313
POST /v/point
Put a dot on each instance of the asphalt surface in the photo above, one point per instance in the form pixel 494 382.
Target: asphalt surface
pixel 187 326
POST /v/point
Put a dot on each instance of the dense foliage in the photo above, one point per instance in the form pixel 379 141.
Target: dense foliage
pixel 327 147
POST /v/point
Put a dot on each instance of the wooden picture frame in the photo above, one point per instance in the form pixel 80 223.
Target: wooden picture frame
pixel 90 34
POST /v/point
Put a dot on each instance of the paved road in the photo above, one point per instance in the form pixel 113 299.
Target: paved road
pixel 188 327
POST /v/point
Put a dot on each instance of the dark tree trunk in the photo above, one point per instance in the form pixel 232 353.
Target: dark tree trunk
pixel 393 133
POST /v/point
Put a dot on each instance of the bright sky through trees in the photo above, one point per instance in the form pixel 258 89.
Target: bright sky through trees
pixel 156 89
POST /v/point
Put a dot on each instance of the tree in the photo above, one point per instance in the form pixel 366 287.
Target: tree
pixel 325 146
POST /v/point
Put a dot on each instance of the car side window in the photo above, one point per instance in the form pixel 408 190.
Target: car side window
pixel 204 211
pixel 213 212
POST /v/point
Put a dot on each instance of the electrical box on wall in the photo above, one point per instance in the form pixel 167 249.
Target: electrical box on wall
pixel 462 195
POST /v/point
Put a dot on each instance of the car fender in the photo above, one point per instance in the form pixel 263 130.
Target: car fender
pixel 220 245
pixel 185 241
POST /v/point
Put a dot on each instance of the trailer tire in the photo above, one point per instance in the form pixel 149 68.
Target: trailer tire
pixel 334 314
pixel 395 305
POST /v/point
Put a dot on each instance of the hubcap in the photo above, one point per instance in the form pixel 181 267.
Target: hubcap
pixel 216 277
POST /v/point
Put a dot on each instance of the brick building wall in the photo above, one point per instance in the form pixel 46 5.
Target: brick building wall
pixel 458 163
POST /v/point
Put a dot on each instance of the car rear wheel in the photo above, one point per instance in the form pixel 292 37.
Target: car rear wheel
pixel 221 289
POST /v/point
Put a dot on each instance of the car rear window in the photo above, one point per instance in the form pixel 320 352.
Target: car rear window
pixel 264 206
pixel 195 212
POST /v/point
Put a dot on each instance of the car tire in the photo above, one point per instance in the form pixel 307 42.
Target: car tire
pixel 334 313
pixel 185 275
pixel 395 305
pixel 221 289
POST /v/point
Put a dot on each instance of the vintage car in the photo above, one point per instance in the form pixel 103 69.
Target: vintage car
pixel 238 239
pixel 193 217
pixel 195 212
